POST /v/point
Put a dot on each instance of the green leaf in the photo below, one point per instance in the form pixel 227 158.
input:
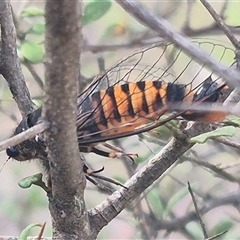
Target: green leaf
pixel 37 28
pixel 156 202
pixel 95 10
pixel 228 131
pixel 235 121
pixel 26 231
pixel 28 181
pixel 33 52
pixel 35 179
pixel 32 12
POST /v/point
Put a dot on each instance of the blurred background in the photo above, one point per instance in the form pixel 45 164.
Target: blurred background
pixel 211 168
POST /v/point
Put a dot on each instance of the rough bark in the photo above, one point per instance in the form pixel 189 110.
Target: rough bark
pixel 10 66
pixel 62 46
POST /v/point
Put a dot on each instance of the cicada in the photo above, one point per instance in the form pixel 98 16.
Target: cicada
pixel 132 96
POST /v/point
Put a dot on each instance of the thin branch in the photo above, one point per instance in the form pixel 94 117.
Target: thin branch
pixel 227 142
pixel 217 235
pixel 10 66
pixel 142 42
pixel 102 214
pixel 221 23
pixel 233 98
pixel 197 212
pixel 219 171
pixel 165 30
pixel 23 136
pixel 209 205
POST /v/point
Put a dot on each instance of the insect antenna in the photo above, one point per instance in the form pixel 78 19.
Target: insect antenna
pixel 4 164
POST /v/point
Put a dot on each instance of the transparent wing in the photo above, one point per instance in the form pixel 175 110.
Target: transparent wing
pixel 165 62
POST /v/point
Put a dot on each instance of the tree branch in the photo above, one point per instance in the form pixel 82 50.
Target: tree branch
pixel 10 66
pixel 102 214
pixel 221 23
pixel 62 47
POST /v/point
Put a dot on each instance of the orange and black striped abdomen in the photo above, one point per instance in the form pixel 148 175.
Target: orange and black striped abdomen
pixel 123 108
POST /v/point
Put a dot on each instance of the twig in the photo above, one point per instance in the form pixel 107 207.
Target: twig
pixel 217 235
pixel 219 171
pixel 23 136
pixel 197 211
pixel 10 66
pixel 221 23
pixel 209 204
pixel 41 232
pixel 227 142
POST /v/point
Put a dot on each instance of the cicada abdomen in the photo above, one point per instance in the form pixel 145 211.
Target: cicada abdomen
pixel 123 109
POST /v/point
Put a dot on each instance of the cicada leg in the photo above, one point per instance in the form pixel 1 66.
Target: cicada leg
pixel 93 174
pixel 115 153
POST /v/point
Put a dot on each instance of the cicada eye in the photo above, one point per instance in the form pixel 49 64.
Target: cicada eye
pixel 12 152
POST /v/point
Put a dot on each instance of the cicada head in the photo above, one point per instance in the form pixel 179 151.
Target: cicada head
pixel 29 149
